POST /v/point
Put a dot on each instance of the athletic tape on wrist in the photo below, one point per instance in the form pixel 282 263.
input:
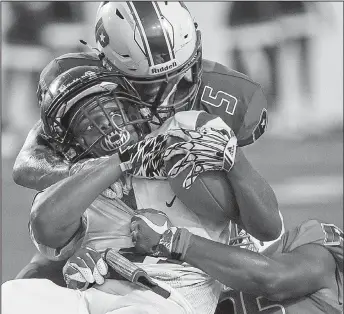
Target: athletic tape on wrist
pixel 181 243
pixel 125 166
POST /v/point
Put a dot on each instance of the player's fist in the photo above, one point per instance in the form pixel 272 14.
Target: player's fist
pixel 85 267
pixel 147 227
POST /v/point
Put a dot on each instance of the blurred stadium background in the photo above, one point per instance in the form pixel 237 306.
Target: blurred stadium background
pixel 293 49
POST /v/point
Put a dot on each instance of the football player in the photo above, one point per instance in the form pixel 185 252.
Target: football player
pixel 87 113
pixel 300 273
pixel 158 52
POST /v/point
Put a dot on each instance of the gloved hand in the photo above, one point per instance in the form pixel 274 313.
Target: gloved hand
pixel 85 267
pixel 205 149
pixel 153 234
pixel 145 158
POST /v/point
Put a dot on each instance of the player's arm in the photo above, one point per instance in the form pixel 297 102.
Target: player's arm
pixel 305 270
pixel 209 148
pixel 256 200
pixel 255 197
pixel 275 275
pixel 37 166
pixel 56 212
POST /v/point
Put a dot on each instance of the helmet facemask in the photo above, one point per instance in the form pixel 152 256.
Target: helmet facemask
pixel 173 92
pixel 95 124
pixel 100 126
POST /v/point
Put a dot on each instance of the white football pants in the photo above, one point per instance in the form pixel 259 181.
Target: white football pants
pixel 41 296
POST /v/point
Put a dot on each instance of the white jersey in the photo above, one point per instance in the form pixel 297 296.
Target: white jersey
pixel 106 225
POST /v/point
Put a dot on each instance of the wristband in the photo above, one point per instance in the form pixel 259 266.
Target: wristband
pixel 125 166
pixel 180 243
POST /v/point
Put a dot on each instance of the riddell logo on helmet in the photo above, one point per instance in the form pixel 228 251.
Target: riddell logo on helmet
pixel 165 68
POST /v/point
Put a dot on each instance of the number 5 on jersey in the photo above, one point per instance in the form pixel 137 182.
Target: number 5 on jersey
pixel 218 99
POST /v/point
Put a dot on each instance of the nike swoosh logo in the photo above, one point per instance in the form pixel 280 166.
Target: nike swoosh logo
pixel 150 224
pixel 171 203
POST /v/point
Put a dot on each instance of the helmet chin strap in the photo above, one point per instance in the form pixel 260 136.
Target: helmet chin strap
pixel 158 97
pixel 166 100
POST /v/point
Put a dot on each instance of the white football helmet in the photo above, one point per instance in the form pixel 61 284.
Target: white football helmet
pixel 156 46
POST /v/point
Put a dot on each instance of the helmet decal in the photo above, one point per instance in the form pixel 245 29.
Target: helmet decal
pixel 101 35
pixel 163 68
pixel 114 140
pixel 153 32
pixel 165 24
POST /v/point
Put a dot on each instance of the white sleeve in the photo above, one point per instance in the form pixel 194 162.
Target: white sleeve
pixel 62 253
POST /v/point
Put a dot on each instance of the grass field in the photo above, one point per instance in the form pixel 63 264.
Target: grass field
pixel 307 177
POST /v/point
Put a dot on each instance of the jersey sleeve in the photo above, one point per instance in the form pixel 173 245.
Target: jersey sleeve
pixel 314 232
pixel 255 119
pixel 236 99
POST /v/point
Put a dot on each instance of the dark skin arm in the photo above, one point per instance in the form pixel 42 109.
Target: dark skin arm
pixel 280 276
pixel 37 166
pixel 42 267
pixel 256 200
pixel 56 213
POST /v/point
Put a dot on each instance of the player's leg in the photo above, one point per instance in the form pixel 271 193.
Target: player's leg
pixel 122 297
pixel 40 296
pixel 41 267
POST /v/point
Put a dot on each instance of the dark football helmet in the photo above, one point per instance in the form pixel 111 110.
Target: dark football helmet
pixel 75 94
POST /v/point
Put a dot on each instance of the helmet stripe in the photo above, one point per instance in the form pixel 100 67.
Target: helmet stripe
pixel 153 30
pixel 166 34
pixel 147 51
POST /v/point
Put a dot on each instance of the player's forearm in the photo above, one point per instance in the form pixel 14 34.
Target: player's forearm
pixel 56 213
pixel 34 171
pixel 235 267
pixel 256 200
pixel 37 166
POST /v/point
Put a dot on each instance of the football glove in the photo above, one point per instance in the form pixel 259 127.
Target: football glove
pixel 145 158
pixel 85 267
pixel 205 149
pixel 153 234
